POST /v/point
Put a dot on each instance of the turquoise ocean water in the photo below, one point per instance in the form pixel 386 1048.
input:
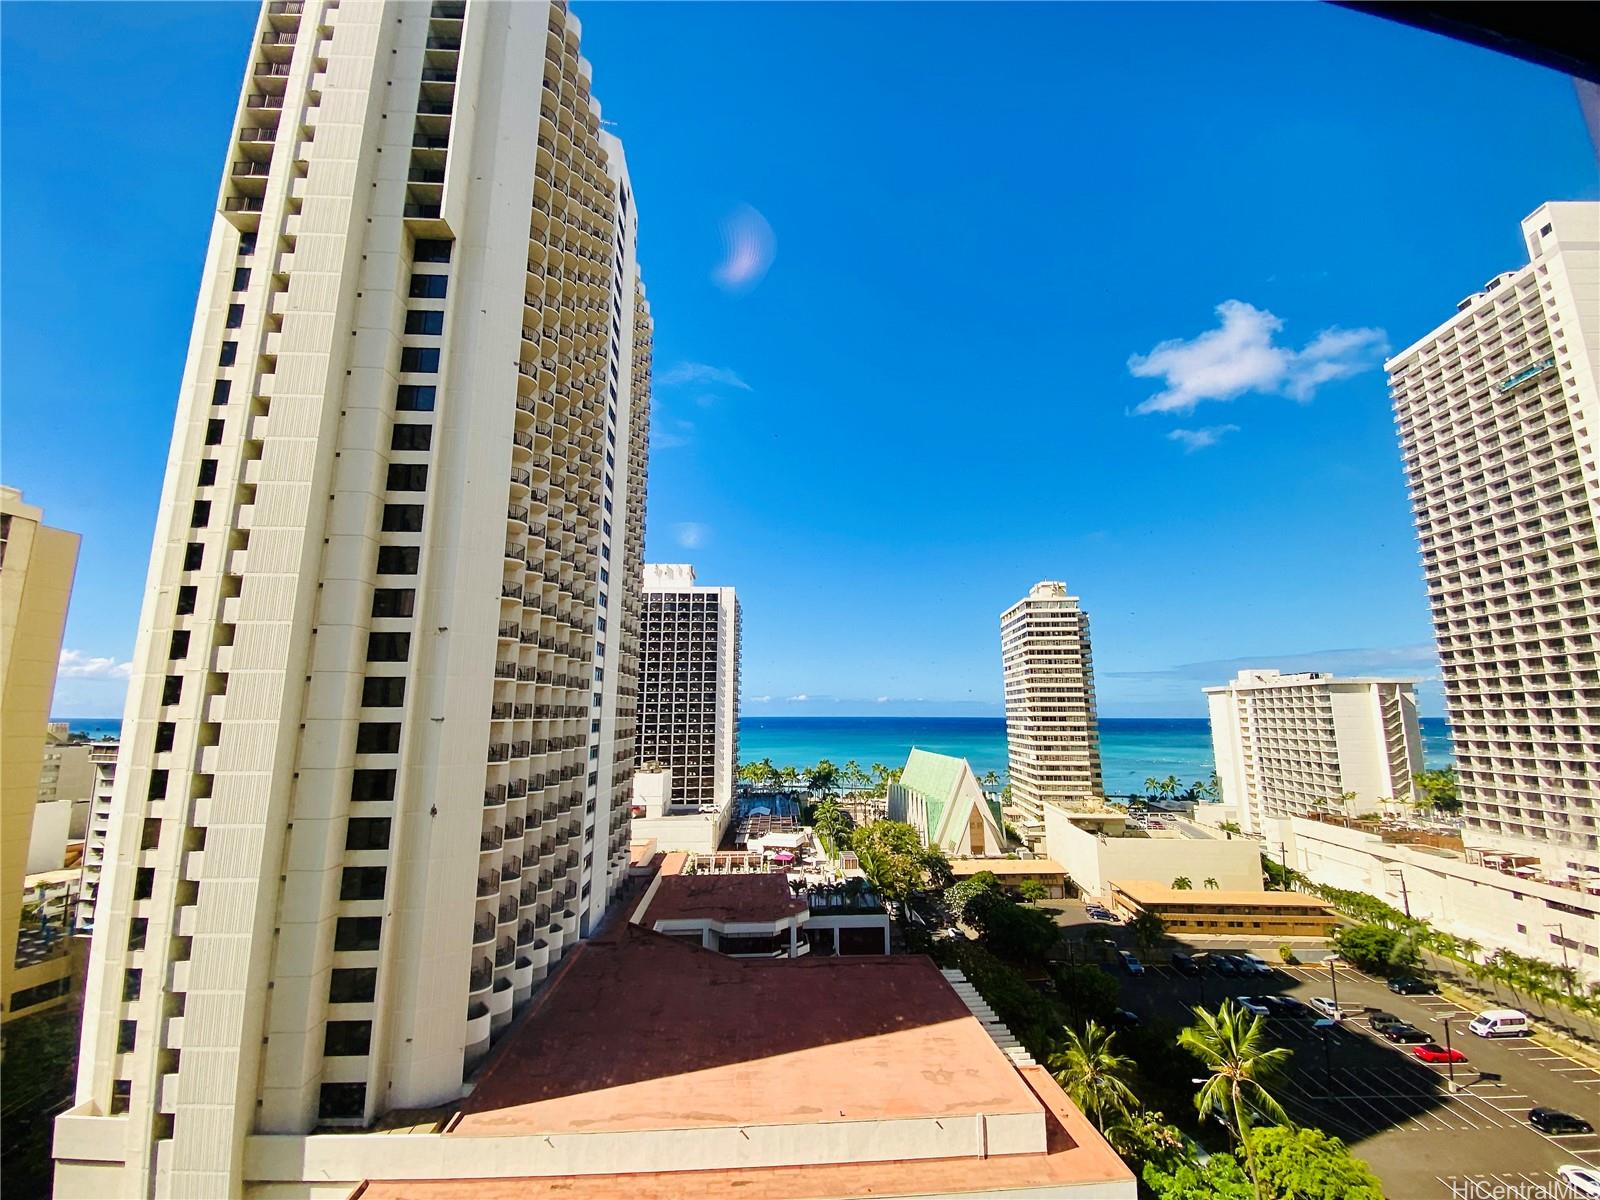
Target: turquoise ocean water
pixel 1131 748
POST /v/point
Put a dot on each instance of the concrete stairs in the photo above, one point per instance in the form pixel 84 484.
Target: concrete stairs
pixel 992 1024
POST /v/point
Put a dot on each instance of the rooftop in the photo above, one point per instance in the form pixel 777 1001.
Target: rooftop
pixel 696 1039
pixel 757 897
pixel 1145 892
pixel 961 867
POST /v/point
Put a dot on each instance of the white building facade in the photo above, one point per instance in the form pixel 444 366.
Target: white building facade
pixel 1286 744
pixel 377 749
pixel 689 686
pixel 1498 411
pixel 1052 739
pixel 103 760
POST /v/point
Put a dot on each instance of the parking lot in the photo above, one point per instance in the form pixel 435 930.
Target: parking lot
pixel 1395 1111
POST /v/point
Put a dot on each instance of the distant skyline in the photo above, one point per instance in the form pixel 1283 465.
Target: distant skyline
pixel 945 305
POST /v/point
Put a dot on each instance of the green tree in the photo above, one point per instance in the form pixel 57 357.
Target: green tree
pixel 1376 948
pixel 1032 890
pixel 1015 931
pixel 963 898
pixel 1088 993
pixel 1182 884
pixel 990 781
pixel 1148 930
pixel 823 778
pixel 832 824
pixel 1438 790
pixel 1232 1043
pixel 1307 1164
pixel 1094 1075
pixel 893 857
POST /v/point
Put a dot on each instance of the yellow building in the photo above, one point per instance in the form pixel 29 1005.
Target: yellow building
pixel 36 568
pixel 1214 912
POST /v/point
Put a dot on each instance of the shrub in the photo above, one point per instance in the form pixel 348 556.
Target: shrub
pixel 1286 952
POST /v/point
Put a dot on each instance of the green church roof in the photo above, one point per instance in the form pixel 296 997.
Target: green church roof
pixel 933 777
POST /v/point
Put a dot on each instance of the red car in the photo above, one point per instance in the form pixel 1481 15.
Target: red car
pixel 1432 1052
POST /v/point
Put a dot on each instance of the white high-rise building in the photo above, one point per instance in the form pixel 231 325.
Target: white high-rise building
pixel 1498 411
pixel 1287 745
pixel 689 685
pixel 96 829
pixel 1052 739
pixel 377 750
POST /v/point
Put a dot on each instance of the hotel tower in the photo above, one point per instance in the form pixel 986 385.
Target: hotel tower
pixel 1498 411
pixel 1052 740
pixel 378 744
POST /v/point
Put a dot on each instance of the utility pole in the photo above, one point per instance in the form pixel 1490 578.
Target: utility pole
pixel 1449 1055
pixel 1561 939
pixel 1405 897
pixel 1333 981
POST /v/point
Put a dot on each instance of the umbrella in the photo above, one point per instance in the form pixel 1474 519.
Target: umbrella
pixel 783 856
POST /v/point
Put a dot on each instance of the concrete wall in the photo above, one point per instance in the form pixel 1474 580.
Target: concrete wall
pixel 47 845
pixel 700 833
pixel 1090 861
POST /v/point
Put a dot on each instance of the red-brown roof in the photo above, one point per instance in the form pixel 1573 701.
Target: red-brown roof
pixel 762 898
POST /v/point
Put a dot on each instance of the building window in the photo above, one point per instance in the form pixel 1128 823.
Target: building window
pixel 144 883
pixel 425 320
pixel 378 737
pixel 342 1101
pixel 235 316
pixel 132 984
pixel 180 644
pixel 353 985
pixel 367 833
pixel 229 352
pixel 384 691
pixel 368 784
pixel 194 555
pixel 419 358
pixel 402 518
pixel 247 243
pixel 208 472
pixel 172 689
pixel 398 560
pixel 121 1094
pixel 200 515
pixel 357 933
pixel 388 647
pixel 186 599
pixel 432 250
pixel 393 602
pixel 158 784
pixel 344 1038
pixel 362 883
pixel 214 432
pixel 165 731
pixel 127 1036
pixel 411 437
pixel 408 477
pixel 423 287
pixel 241 278
pixel 137 929
pixel 220 390
pixel 415 397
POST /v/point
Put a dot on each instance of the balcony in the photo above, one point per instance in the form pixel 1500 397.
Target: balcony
pixel 250 178
pixel 271 77
pixel 276 46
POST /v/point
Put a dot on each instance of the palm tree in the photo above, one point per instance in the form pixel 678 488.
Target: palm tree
pixel 1148 930
pixel 1212 884
pixel 1094 1076
pixel 1233 1044
pixel 1182 884
pixel 990 781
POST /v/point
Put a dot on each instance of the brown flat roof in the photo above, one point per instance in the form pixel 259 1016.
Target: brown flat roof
pixel 1007 866
pixel 1145 891
pixel 645 1032
pixel 1075 1153
pixel 761 898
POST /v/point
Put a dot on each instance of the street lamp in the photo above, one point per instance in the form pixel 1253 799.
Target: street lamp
pixel 1333 982
pixel 1324 1027
pixel 1449 1056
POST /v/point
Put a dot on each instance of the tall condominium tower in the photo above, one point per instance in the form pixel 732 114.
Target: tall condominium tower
pixel 1287 745
pixel 96 828
pixel 1052 739
pixel 689 685
pixel 37 564
pixel 376 755
pixel 1498 411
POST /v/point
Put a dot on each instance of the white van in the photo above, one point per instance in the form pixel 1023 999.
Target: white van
pixel 1500 1022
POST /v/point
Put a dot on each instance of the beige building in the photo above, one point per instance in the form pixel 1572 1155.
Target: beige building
pixel 1498 411
pixel 103 760
pixel 1093 856
pixel 377 747
pixel 37 564
pixel 1304 742
pixel 689 687
pixel 1052 739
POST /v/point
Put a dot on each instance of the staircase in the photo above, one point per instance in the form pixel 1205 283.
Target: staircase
pixel 992 1025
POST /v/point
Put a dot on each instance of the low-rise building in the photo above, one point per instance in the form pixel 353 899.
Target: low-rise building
pixel 1502 901
pixel 1170 849
pixel 720 1078
pixel 1014 872
pixel 940 797
pixel 693 829
pixel 1209 912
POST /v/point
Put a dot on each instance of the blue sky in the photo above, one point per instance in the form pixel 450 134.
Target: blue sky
pixel 950 379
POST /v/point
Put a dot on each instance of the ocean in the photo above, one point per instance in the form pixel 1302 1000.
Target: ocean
pixel 1131 748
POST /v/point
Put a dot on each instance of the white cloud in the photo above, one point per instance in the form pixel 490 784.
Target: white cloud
pixel 75 664
pixel 881 700
pixel 683 373
pixel 691 535
pixel 1240 356
pixel 748 248
pixel 669 435
pixel 1199 439
pixel 800 699
pixel 759 699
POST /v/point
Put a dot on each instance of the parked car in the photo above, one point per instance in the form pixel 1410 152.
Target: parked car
pixel 1257 964
pixel 1382 1020
pixel 1130 962
pixel 1099 914
pixel 1124 1018
pixel 1582 1181
pixel 1402 1034
pixel 1326 1006
pixel 1183 964
pixel 1286 1006
pixel 1432 1052
pixel 1254 1004
pixel 1500 1022
pixel 1224 965
pixel 1410 985
pixel 1553 1120
pixel 1243 968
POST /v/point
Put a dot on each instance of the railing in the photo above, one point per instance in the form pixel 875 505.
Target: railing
pixel 482 932
pixel 499 752
pixel 264 100
pixel 438 75
pixel 444 43
pixel 271 70
pixel 251 169
pixel 277 39
pixel 252 133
